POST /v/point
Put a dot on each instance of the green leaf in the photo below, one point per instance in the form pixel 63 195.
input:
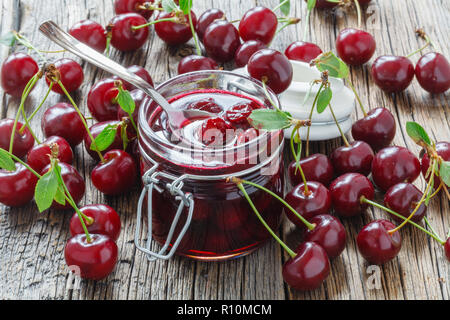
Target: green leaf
pixel 329 62
pixel 124 136
pixel 8 39
pixel 185 6
pixel 105 138
pixel 45 190
pixel 6 162
pixel 323 100
pixel 334 1
pixel 286 7
pixel 416 132
pixel 269 119
pixel 444 172
pixel 125 101
pixel 169 5
pixel 311 4
pixel 59 196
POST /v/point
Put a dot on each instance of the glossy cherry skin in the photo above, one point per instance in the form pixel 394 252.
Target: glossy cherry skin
pixel 72 75
pixel 258 23
pixel 403 198
pixel 101 100
pixel 239 113
pixel 433 72
pixel 106 221
pixel 302 51
pixel 17 187
pixel 73 181
pixel 273 66
pixel 63 120
pixel 318 201
pixel 123 37
pixel 95 260
pixel 376 245
pixel 174 33
pixel 308 269
pixel 377 128
pixel 324 4
pixel 316 167
pixel 38 156
pixel 206 18
pixel 117 175
pixel 447 249
pixel 196 63
pixel 215 131
pixel 16 72
pixel 208 105
pixel 221 40
pixel 346 192
pixel 355 47
pixel 91 33
pixel 392 73
pixel 127 6
pixel 139 71
pixel 329 233
pixel 246 50
pixel 22 142
pixel 443 150
pixel 355 158
pixel 95 131
pixel 393 165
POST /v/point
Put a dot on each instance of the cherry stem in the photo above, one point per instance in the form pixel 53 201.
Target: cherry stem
pixel 297 159
pixel 266 92
pixel 108 44
pixel 339 127
pixel 24 41
pixel 358 12
pixel 153 22
pixel 41 104
pixel 305 30
pixel 280 5
pixel 288 22
pixel 430 227
pixel 310 119
pixel 418 50
pixel 357 97
pixel 194 34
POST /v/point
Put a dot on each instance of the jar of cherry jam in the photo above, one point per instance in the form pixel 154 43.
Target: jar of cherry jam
pixel 188 203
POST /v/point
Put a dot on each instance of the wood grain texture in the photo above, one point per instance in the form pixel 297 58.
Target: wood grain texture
pixel 31 244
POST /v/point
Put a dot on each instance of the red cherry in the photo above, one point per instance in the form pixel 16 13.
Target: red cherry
pixel 123 37
pixel 72 75
pixel 127 6
pixel 94 260
pixel 239 113
pixel 91 33
pixel 308 269
pixel 443 150
pixel 247 136
pixel 174 33
pixel 215 131
pixel 272 66
pixel 95 131
pixel 403 198
pixel 196 63
pixel 207 17
pixel 376 245
pixel 447 249
pixel 101 100
pixel 354 46
pixel 433 72
pixel 73 181
pixel 117 175
pixel 17 187
pixel 377 128
pixel 316 167
pixel 137 96
pixel 139 71
pixel 393 165
pixel 208 105
pixel 106 221
pixel 258 23
pixel 63 120
pixel 38 156
pixel 246 50
pixel 355 158
pixel 324 4
pixel 392 73
pixel 221 40
pixel 16 72
pixel 23 142
pixel 329 233
pixel 346 193
pixel 302 51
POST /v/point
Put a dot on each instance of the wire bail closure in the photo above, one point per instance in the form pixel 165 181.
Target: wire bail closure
pixel 150 180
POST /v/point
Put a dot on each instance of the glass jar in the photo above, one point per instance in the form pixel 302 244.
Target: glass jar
pixel 193 210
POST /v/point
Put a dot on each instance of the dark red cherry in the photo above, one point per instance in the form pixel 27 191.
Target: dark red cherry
pixel 139 71
pixel 123 36
pixel 117 175
pixel 329 233
pixel 433 72
pixel 101 100
pixel 443 150
pixel 377 128
pixel 324 4
pixel 355 158
pixel 95 131
pixel 447 249
pixel 247 136
pixel 106 221
pixel 376 245
pixel 272 66
pixel 63 120
pixel 127 6
pixel 316 167
pixel 23 142
pixel 403 198
pixel 38 156
pixel 346 192
pixel 174 33
pixel 246 50
pixel 317 201
pixel 90 33
pixel 392 73
pixel 207 17
pixel 308 269
pixel 73 181
pixel 71 73
pixel 208 105
pixel 221 40
pixel 239 113
pixel 393 165
pixel 215 131
pixel 258 23
pixel 196 63
pixel 137 96
pixel 16 72
pixel 302 51
pixel 354 46
pixel 93 260
pixel 17 187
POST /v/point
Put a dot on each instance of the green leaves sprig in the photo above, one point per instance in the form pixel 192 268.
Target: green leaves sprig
pixel 6 162
pixel 329 62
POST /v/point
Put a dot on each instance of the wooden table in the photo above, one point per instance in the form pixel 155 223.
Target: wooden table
pixel 31 244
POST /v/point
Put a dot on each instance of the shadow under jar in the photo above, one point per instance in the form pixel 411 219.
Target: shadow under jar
pixel 222 224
